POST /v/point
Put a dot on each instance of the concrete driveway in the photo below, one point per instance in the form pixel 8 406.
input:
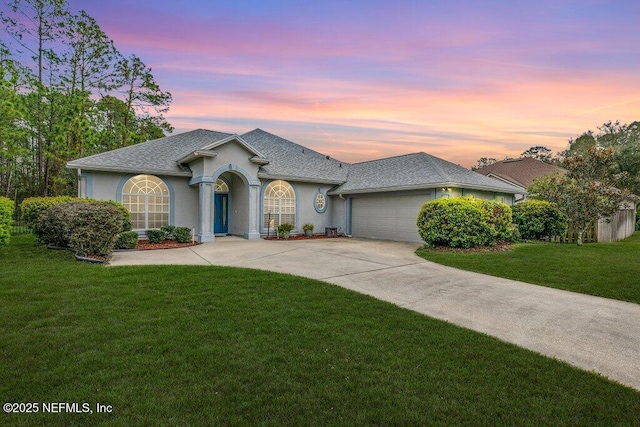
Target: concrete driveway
pixel 596 334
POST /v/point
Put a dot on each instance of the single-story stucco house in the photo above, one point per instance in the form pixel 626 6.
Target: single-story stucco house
pixel 246 185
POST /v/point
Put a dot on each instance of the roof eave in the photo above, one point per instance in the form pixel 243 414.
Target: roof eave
pixel 300 178
pixel 429 186
pixel 195 155
pixel 72 165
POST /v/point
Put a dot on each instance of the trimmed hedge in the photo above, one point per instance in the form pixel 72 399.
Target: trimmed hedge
pixel 464 223
pixel 156 236
pixel 181 234
pixel 127 240
pixel 168 231
pixel 89 227
pixel 94 227
pixel 537 219
pixel 6 219
pixel 33 207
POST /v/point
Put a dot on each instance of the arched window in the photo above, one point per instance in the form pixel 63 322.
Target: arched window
pixel 147 198
pixel 221 186
pixel 279 204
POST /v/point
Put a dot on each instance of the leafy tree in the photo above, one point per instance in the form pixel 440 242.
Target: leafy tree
pixel 586 193
pixel 539 152
pixel 624 140
pixel 484 161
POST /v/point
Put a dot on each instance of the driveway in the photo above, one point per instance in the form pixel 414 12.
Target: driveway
pixel 596 334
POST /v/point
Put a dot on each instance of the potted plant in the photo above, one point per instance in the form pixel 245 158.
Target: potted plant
pixel 308 229
pixel 284 230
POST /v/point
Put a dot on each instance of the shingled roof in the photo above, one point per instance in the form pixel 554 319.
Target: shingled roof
pixel 158 156
pixel 415 171
pixel 288 160
pixel 520 172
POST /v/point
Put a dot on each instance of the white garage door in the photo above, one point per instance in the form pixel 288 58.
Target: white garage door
pixel 391 217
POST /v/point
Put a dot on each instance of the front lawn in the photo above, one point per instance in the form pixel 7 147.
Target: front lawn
pixel 167 345
pixel 610 270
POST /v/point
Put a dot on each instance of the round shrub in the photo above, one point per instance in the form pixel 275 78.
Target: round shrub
pixel 537 219
pixel 33 207
pixel 127 240
pixel 499 216
pixel 93 227
pixel 168 231
pixel 181 234
pixel 457 223
pixel 51 226
pixel 6 219
pixel 156 236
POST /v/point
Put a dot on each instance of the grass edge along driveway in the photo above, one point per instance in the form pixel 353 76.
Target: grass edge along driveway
pixel 609 270
pixel 194 345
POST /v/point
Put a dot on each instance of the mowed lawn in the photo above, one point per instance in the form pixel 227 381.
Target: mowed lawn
pixel 167 345
pixel 610 270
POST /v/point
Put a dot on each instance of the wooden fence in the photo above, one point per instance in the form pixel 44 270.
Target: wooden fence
pixel 619 226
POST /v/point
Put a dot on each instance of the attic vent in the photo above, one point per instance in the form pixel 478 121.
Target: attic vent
pixel 340 164
pixel 328 157
pixel 303 151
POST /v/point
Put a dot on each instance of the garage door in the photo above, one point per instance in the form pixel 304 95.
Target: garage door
pixel 390 217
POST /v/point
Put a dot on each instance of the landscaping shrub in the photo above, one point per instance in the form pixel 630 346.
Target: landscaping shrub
pixel 51 226
pixel 33 207
pixel 168 231
pixel 127 240
pixel 537 219
pixel 155 236
pixel 182 234
pixel 93 227
pixel 457 223
pixel 6 219
pixel 638 218
pixel 126 220
pixel 499 216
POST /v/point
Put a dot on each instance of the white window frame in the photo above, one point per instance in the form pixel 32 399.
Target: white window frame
pixel 147 199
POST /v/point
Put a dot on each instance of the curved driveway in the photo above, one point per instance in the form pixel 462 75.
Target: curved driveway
pixel 596 334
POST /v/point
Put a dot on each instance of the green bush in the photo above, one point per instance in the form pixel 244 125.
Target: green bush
pixel 33 207
pixel 126 220
pixel 51 226
pixel 93 227
pixel 638 218
pixel 465 223
pixel 182 234
pixel 6 219
pixel 537 219
pixel 168 231
pixel 127 240
pixel 155 236
pixel 87 226
pixel 499 216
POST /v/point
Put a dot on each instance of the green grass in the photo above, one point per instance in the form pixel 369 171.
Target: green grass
pixel 167 345
pixel 610 270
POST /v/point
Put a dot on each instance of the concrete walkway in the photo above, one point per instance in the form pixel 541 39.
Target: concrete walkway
pixel 596 334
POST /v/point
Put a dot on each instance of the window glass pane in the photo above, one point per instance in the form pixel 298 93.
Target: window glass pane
pixel 144 196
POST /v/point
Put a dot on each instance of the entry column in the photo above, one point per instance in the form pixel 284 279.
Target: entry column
pixel 205 212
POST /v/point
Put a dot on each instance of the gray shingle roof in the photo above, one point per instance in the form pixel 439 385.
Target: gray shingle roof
pixel 158 156
pixel 293 161
pixel 413 171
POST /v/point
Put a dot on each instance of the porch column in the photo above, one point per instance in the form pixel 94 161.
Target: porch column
pixel 205 212
pixel 254 212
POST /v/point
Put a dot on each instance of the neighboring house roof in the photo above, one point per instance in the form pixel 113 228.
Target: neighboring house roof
pixel 520 172
pixel 288 160
pixel 158 156
pixel 415 171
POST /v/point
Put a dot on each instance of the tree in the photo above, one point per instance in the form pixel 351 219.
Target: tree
pixel 484 161
pixel 70 94
pixel 586 193
pixel 624 140
pixel 538 152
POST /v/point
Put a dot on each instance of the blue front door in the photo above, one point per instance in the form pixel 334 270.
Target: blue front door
pixel 221 210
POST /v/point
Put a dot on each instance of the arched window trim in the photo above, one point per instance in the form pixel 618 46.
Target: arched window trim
pixel 221 186
pixel 126 178
pixel 278 217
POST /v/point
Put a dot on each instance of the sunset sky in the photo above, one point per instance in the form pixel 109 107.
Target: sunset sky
pixel 360 80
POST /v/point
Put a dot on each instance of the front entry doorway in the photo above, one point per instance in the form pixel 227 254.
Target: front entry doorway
pixel 221 209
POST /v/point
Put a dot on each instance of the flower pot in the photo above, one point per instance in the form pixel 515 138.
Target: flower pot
pixel 285 234
pixel 308 233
